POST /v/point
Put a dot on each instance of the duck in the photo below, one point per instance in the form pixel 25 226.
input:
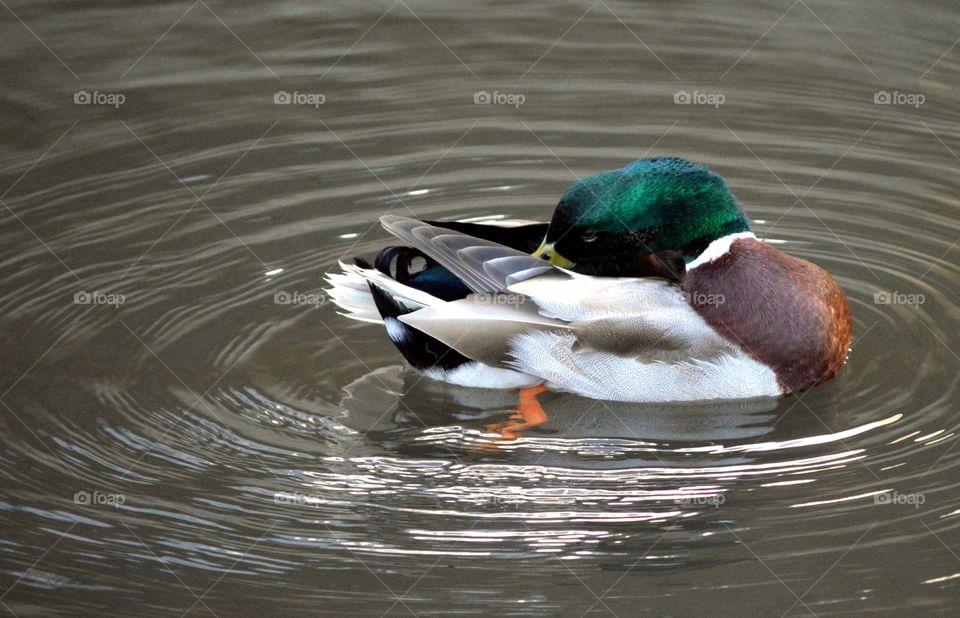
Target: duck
pixel 647 285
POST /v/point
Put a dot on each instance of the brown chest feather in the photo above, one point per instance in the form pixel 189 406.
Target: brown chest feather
pixel 785 312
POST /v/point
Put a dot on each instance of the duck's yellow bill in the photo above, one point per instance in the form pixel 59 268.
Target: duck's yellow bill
pixel 546 251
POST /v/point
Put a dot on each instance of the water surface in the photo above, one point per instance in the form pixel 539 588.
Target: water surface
pixel 177 438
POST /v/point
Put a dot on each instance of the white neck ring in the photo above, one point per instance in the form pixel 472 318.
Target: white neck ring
pixel 718 248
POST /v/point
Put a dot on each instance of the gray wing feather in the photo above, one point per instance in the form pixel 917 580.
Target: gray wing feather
pixel 483 265
pixel 482 326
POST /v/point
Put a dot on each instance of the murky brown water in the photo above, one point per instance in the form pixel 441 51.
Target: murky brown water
pixel 176 439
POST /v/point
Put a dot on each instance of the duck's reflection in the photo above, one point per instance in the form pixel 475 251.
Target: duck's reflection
pixel 529 414
pixel 393 397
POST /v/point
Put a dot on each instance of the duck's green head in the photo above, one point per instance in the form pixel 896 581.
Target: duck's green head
pixel 652 206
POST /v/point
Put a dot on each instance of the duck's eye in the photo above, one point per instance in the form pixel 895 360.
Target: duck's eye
pixel 588 236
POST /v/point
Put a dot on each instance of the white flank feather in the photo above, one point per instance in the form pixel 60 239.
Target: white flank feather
pixel 731 375
pixel 478 375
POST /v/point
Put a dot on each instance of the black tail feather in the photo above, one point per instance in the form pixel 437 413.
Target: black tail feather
pixel 420 350
pixel 396 262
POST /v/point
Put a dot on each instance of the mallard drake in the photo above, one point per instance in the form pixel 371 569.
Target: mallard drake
pixel 646 286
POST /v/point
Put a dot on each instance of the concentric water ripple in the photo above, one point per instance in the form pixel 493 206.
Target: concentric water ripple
pixel 186 413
